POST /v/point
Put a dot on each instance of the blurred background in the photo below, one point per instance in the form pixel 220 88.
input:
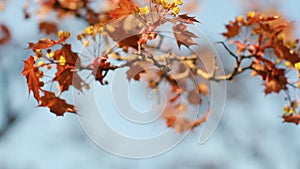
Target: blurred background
pixel 250 135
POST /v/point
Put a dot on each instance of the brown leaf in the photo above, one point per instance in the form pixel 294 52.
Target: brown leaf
pixel 183 36
pixel 4 34
pixel 124 32
pixel 184 18
pixel 101 67
pixel 276 81
pixel 56 105
pixel 292 119
pixel 66 74
pixel 31 73
pixel 131 41
pixel 48 27
pixel 67 77
pixel 233 29
pixel 71 57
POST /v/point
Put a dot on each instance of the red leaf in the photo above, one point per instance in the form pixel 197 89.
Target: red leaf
pixel 126 7
pixel 56 105
pixel 183 36
pixel 31 73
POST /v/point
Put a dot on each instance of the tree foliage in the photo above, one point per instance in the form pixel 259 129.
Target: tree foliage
pixel 258 39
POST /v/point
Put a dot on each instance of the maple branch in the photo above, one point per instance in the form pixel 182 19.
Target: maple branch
pixel 228 50
pixel 236 70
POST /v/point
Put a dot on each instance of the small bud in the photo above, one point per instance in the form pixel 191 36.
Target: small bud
pixel 294 104
pixel 62 60
pixel 41 63
pixel 288 64
pixel 176 10
pixel 144 10
pixel 297 66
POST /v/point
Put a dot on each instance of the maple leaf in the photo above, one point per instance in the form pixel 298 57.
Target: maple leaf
pixel 126 7
pixel 233 29
pixel 47 43
pixel 181 124
pixel 130 41
pixel 184 18
pixel 67 77
pixel 183 36
pixel 282 51
pixel 56 105
pixel 100 67
pixel 30 71
pixel 124 32
pixel 276 81
pixel 292 119
pixel 48 27
pixel 71 57
pixel 134 72
pixel 66 74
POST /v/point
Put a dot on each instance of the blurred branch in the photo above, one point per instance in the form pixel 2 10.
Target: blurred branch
pixel 9 116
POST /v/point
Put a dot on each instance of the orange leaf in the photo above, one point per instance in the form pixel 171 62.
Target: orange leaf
pixel 181 124
pixel 56 105
pixel 126 7
pixel 30 71
pixel 47 43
